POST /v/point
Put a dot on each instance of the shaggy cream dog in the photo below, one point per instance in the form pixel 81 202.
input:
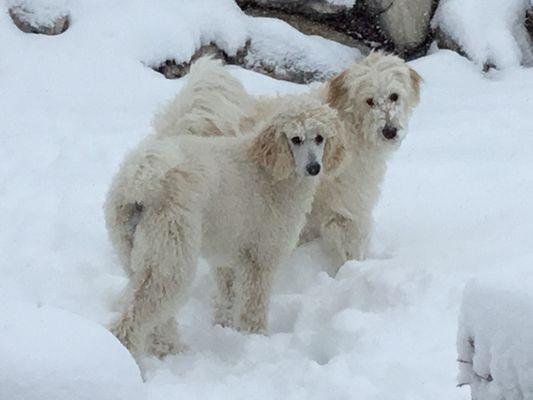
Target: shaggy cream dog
pixel 374 99
pixel 240 202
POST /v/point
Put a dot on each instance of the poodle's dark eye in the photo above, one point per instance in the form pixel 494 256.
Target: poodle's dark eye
pixel 319 139
pixel 394 97
pixel 296 140
pixel 370 101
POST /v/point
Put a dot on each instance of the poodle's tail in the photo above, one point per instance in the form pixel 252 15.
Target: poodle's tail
pixel 121 219
pixel 212 103
pixel 128 200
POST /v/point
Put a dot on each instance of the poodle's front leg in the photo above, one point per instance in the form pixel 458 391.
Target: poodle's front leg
pixel 255 282
pixel 346 238
pixel 225 296
pixel 164 339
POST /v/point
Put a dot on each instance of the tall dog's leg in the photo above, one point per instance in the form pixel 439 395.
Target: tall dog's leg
pixel 164 339
pixel 254 286
pixel 346 239
pixel 225 296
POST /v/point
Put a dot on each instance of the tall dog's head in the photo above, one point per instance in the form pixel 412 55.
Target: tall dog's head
pixel 377 96
pixel 300 140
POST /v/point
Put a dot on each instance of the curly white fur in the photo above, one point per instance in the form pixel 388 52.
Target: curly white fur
pixel 240 202
pixel 343 206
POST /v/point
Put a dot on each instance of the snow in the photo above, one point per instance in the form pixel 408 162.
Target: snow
pixel 52 354
pixel 490 31
pixel 276 45
pixel 456 205
pixel 494 341
pixel 345 3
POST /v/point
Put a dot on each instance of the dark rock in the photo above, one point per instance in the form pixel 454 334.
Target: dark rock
pixel 399 26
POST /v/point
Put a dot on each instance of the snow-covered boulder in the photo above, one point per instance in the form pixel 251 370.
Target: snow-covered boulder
pixel 279 50
pixel 495 341
pixel 405 22
pixel 490 32
pixel 50 354
pixel 49 17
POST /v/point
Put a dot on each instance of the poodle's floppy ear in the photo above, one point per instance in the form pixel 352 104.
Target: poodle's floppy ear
pixel 270 149
pixel 416 81
pixel 334 152
pixel 337 91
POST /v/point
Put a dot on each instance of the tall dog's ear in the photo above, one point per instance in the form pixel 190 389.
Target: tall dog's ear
pixel 337 91
pixel 334 153
pixel 272 152
pixel 416 81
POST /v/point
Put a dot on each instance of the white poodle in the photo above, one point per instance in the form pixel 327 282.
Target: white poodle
pixel 240 202
pixel 374 99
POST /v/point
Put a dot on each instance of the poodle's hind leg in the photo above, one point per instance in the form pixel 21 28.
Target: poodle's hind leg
pixel 225 296
pixel 254 287
pixel 164 257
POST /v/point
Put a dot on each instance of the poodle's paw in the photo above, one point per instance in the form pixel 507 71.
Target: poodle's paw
pixel 162 348
pixel 123 331
pixel 249 324
pixel 223 317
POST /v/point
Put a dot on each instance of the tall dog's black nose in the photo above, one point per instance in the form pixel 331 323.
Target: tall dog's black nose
pixel 389 132
pixel 313 168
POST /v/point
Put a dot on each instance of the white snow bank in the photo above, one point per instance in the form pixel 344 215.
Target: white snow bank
pixel 490 31
pixel 278 46
pixel 47 353
pixel 495 340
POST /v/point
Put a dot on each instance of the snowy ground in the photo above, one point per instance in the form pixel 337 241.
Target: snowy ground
pixel 456 205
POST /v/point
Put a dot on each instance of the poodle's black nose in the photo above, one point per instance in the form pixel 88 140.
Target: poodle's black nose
pixel 313 168
pixel 389 132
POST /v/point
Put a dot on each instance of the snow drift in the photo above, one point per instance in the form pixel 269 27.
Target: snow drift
pixel 495 338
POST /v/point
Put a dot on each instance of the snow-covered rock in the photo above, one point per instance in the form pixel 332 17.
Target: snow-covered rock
pixel 406 22
pixel 47 353
pixel 34 16
pixel 490 32
pixel 279 50
pixel 495 340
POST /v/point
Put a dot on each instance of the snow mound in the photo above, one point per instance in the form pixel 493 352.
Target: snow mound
pixel 279 48
pixel 47 353
pixel 494 341
pixel 489 31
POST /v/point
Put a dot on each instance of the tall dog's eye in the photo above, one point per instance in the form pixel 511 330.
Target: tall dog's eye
pixel 393 97
pixel 296 140
pixel 319 139
pixel 370 101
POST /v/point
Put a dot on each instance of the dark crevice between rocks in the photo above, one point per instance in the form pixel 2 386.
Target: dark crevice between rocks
pixel 529 22
pixel 60 25
pixel 173 70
